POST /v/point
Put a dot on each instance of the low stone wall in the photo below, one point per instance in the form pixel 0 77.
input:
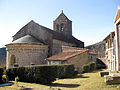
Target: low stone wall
pixel 104 73
pixel 112 80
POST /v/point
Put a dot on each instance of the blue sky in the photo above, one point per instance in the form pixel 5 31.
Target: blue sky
pixel 92 20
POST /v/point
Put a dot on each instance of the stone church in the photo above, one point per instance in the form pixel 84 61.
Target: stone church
pixel 33 43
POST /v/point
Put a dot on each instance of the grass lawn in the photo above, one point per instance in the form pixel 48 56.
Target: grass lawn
pixel 87 81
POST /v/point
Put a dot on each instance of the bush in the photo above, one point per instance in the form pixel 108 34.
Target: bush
pixel 99 66
pixel 92 66
pixel 65 71
pixel 86 68
pixel 75 73
pixel 4 78
pixel 1 72
pixel 43 74
pixel 16 79
pixel 33 74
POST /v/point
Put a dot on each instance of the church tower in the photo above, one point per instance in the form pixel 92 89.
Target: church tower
pixel 63 25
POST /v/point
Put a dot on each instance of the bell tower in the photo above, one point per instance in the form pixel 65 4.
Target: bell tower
pixel 63 25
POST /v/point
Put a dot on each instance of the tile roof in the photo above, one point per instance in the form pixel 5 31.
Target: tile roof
pixel 66 55
pixel 62 37
pixel 92 53
pixel 108 36
pixel 27 39
pixel 56 35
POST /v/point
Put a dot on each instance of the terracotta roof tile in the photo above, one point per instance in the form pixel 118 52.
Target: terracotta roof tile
pixel 92 53
pixel 65 55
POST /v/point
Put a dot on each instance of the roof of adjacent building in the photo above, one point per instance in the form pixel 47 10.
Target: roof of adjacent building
pixel 117 14
pixel 108 36
pixel 92 53
pixel 66 55
pixel 27 39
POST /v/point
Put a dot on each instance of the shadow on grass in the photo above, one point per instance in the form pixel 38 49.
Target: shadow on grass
pixel 64 85
pixel 26 89
pixel 78 76
pixel 96 71
pixel 82 76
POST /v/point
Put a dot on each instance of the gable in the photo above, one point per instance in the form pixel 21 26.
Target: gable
pixel 117 15
pixel 63 17
pixel 35 30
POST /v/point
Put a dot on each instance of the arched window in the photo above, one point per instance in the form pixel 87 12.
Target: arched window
pixel 57 26
pixel 12 59
pixel 62 27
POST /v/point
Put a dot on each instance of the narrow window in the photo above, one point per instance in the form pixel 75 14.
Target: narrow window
pixel 57 26
pixel 62 27
pixel 12 59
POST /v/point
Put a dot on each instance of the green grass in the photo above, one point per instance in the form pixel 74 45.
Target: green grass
pixel 86 81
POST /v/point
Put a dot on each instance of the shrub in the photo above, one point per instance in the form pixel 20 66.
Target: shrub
pixel 75 73
pixel 33 74
pixel 1 72
pixel 4 78
pixel 16 79
pixel 99 66
pixel 65 71
pixel 86 68
pixel 43 74
pixel 117 71
pixel 92 66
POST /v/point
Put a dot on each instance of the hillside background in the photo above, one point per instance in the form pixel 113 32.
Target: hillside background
pixel 2 56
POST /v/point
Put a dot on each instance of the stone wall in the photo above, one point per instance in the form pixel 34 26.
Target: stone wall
pixel 69 48
pixel 62 19
pixel 57 46
pixel 79 60
pixel 92 58
pixel 37 31
pixel 25 54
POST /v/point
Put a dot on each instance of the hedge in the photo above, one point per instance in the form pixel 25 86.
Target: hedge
pixel 43 74
pixel 99 66
pixel 92 66
pixel 89 67
pixel 86 68
pixel 65 71
pixel 1 72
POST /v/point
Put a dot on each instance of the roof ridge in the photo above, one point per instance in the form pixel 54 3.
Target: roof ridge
pixel 63 15
pixel 28 39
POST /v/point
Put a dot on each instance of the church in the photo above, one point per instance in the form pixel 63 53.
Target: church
pixel 33 43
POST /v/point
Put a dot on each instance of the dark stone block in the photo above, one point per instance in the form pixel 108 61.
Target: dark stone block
pixel 112 80
pixel 104 73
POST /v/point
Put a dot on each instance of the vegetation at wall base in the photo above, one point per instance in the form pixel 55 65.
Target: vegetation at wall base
pixel 1 72
pixel 65 71
pixel 92 66
pixel 99 66
pixel 43 74
pixel 86 68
